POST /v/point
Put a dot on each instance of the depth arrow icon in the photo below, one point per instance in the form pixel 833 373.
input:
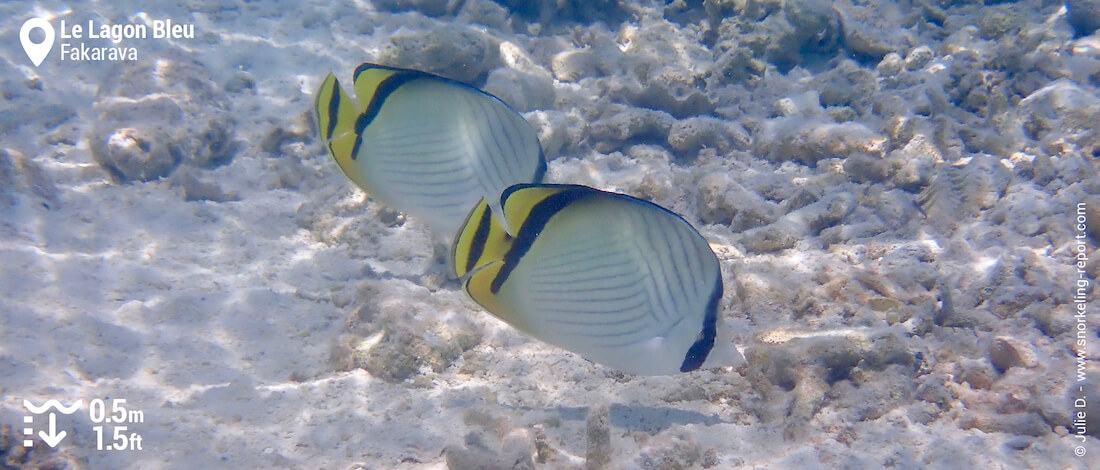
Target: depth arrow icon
pixel 53 438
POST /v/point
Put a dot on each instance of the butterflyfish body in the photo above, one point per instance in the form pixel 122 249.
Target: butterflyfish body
pixel 620 281
pixel 426 145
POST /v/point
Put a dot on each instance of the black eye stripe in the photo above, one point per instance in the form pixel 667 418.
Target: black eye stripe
pixel 477 245
pixel 333 109
pixel 384 90
pixel 532 226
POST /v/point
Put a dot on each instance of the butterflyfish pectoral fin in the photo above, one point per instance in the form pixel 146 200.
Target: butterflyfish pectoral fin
pixel 479 287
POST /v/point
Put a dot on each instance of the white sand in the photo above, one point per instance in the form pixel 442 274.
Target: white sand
pixel 235 323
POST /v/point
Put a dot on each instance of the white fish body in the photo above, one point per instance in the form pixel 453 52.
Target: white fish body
pixel 426 145
pixel 618 280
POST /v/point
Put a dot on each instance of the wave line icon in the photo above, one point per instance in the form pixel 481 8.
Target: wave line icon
pixel 53 404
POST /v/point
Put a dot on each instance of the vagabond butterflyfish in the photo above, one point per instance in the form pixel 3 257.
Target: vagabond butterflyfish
pixel 620 281
pixel 425 145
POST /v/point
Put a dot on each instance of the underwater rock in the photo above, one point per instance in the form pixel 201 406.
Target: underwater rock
pixel 7 176
pixel 672 92
pixel 844 374
pixel 297 130
pixel 522 83
pixel 1089 391
pixel 1054 406
pixel 977 139
pixel 386 339
pixel 685 13
pixel 484 448
pixel 995 22
pixel 546 12
pixel 797 225
pixel 806 104
pixel 808 396
pixel 979 374
pixel 466 458
pixel 711 202
pixel 890 65
pixel 737 65
pixel 689 136
pixel 865 43
pixel 932 388
pixel 1084 63
pixel 770 238
pixel 814 29
pixel 669 452
pixel 923 412
pixel 516 57
pixel 14 455
pixel 463 458
pixel 870 398
pixel 597 453
pixel 156 115
pixel 808 140
pixel 847 84
pixel 240 82
pixel 544 452
pixel 518 448
pixel 1021 210
pixel 557 131
pixel 1024 424
pixel 867 168
pixel 457 52
pixel 653 66
pixel 197 188
pixel 958 193
pixel 918 58
pixel 887 351
pixel 138 154
pixel 914 163
pixel 1083 15
pixel 897 208
pixel 427 7
pixel 861 37
pixel 721 200
pixel 573 65
pixel 1059 108
pixel 656 176
pixel 399 355
pixel 1006 352
pixel 643 125
pixel 522 91
pixel 773 370
pixel 827 212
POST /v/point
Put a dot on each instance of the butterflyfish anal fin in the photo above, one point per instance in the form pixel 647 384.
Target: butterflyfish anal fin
pixel 477 286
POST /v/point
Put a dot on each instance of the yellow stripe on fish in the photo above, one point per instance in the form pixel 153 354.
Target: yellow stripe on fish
pixel 620 281
pixel 426 145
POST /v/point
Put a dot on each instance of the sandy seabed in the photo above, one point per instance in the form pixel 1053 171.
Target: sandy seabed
pixel 904 198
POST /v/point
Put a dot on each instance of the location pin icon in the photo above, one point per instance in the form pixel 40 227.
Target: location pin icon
pixel 37 52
